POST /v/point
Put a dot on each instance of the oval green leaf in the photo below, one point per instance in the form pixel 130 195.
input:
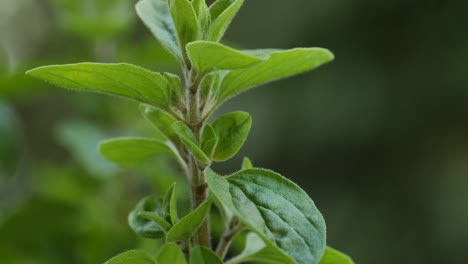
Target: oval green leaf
pixel 232 130
pixel 132 257
pixel 143 226
pixel 275 208
pixel 281 64
pixel 157 17
pixel 222 14
pixel 333 256
pixel 121 79
pixel 185 21
pixel 207 56
pixel 189 224
pixel 170 204
pixel 171 253
pixel 132 151
pixel 203 255
pixel 209 140
pixel 160 120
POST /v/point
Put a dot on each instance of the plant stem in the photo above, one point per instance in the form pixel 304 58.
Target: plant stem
pixel 230 232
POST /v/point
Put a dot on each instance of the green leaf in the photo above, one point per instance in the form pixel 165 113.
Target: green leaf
pixel 189 139
pixel 256 250
pixel 142 225
pixel 132 151
pixel 232 130
pixel 209 56
pixel 281 64
pixel 247 164
pixel 203 15
pixel 170 204
pixel 132 257
pixel 160 120
pixel 185 21
pixel 209 140
pixel 203 255
pixel 189 224
pixel 157 219
pixel 275 208
pixel 222 13
pixel 123 80
pixel 157 17
pixel 333 256
pixel 171 253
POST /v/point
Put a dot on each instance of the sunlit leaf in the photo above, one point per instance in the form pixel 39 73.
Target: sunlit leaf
pixel 222 13
pixel 185 21
pixel 171 253
pixel 203 255
pixel 333 256
pixel 209 140
pixel 132 257
pixel 189 139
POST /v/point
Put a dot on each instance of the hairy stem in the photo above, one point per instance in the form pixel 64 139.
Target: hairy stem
pixel 229 233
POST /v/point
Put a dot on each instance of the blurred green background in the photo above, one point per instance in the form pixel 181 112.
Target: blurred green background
pixel 378 138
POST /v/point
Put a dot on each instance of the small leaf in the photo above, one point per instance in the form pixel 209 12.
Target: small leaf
pixel 157 17
pixel 157 219
pixel 203 15
pixel 209 140
pixel 222 13
pixel 203 255
pixel 232 130
pixel 130 152
pixel 333 256
pixel 123 80
pixel 171 253
pixel 189 224
pixel 132 257
pixel 278 210
pixel 143 226
pixel 189 139
pixel 160 120
pixel 281 64
pixel 185 21
pixel 170 204
pixel 175 87
pixel 247 164
pixel 208 56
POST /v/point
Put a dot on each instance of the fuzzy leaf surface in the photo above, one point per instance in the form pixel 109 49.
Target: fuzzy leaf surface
pixel 157 17
pixel 189 224
pixel 209 140
pixel 171 253
pixel 123 80
pixel 132 257
pixel 275 208
pixel 232 130
pixel 279 65
pixel 160 120
pixel 132 151
pixel 170 204
pixel 333 256
pixel 203 255
pixel 208 56
pixel 189 139
pixel 222 13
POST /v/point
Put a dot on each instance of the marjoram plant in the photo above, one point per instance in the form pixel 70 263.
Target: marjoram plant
pixel 277 219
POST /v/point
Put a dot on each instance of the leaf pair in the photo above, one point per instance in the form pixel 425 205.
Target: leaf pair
pixel 155 217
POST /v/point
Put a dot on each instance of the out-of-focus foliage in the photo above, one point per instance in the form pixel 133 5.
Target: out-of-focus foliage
pixel 383 128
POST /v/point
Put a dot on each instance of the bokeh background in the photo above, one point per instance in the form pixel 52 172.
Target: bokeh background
pixel 378 138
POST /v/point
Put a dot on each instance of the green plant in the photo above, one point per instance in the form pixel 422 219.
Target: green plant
pixel 279 222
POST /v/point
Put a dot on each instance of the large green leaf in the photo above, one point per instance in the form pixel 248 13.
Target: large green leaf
pixel 222 13
pixel 281 64
pixel 333 256
pixel 232 130
pixel 275 208
pixel 157 17
pixel 171 253
pixel 160 120
pixel 185 21
pixel 132 257
pixel 208 56
pixel 124 80
pixel 131 151
pixel 189 224
pixel 189 139
pixel 203 255
pixel 144 226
